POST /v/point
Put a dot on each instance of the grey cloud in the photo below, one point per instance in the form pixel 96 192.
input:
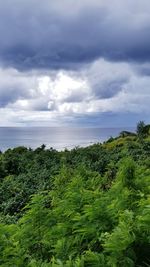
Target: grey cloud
pixel 143 69
pixel 94 88
pixel 100 89
pixel 15 86
pixel 9 95
pixel 107 79
pixel 108 89
pixel 63 34
pixel 75 97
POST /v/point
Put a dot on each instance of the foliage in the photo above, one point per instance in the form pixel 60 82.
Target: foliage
pixel 88 207
pixel 142 130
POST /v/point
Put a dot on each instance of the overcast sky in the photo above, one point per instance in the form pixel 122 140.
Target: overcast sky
pixel 74 62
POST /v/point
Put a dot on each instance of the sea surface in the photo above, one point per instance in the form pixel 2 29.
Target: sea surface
pixel 56 137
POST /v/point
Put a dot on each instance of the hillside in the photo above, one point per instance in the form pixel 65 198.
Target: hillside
pixel 87 207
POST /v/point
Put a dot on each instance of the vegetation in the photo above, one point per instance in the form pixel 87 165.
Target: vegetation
pixel 142 130
pixel 88 207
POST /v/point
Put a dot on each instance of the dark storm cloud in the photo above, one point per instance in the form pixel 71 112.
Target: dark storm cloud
pixel 63 34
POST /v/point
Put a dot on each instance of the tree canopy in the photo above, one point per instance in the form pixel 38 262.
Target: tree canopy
pixel 87 207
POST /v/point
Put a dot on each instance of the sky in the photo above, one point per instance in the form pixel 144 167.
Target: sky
pixel 74 63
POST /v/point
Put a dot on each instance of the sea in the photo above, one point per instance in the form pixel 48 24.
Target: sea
pixel 55 137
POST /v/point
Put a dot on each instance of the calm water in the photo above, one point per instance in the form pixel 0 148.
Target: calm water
pixel 58 138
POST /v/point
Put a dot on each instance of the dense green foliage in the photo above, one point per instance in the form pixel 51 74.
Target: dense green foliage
pixel 142 130
pixel 88 207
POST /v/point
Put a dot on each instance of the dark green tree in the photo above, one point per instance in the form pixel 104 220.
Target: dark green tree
pixel 140 130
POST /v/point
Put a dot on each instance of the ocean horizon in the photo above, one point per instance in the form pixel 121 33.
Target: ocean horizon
pixel 59 138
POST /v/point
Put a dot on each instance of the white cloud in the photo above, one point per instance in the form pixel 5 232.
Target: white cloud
pixel 54 97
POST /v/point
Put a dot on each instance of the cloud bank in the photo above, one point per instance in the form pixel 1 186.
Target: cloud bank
pixel 61 34
pixel 100 88
pixel 72 62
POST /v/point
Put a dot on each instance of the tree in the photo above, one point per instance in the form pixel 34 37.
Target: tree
pixel 140 129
